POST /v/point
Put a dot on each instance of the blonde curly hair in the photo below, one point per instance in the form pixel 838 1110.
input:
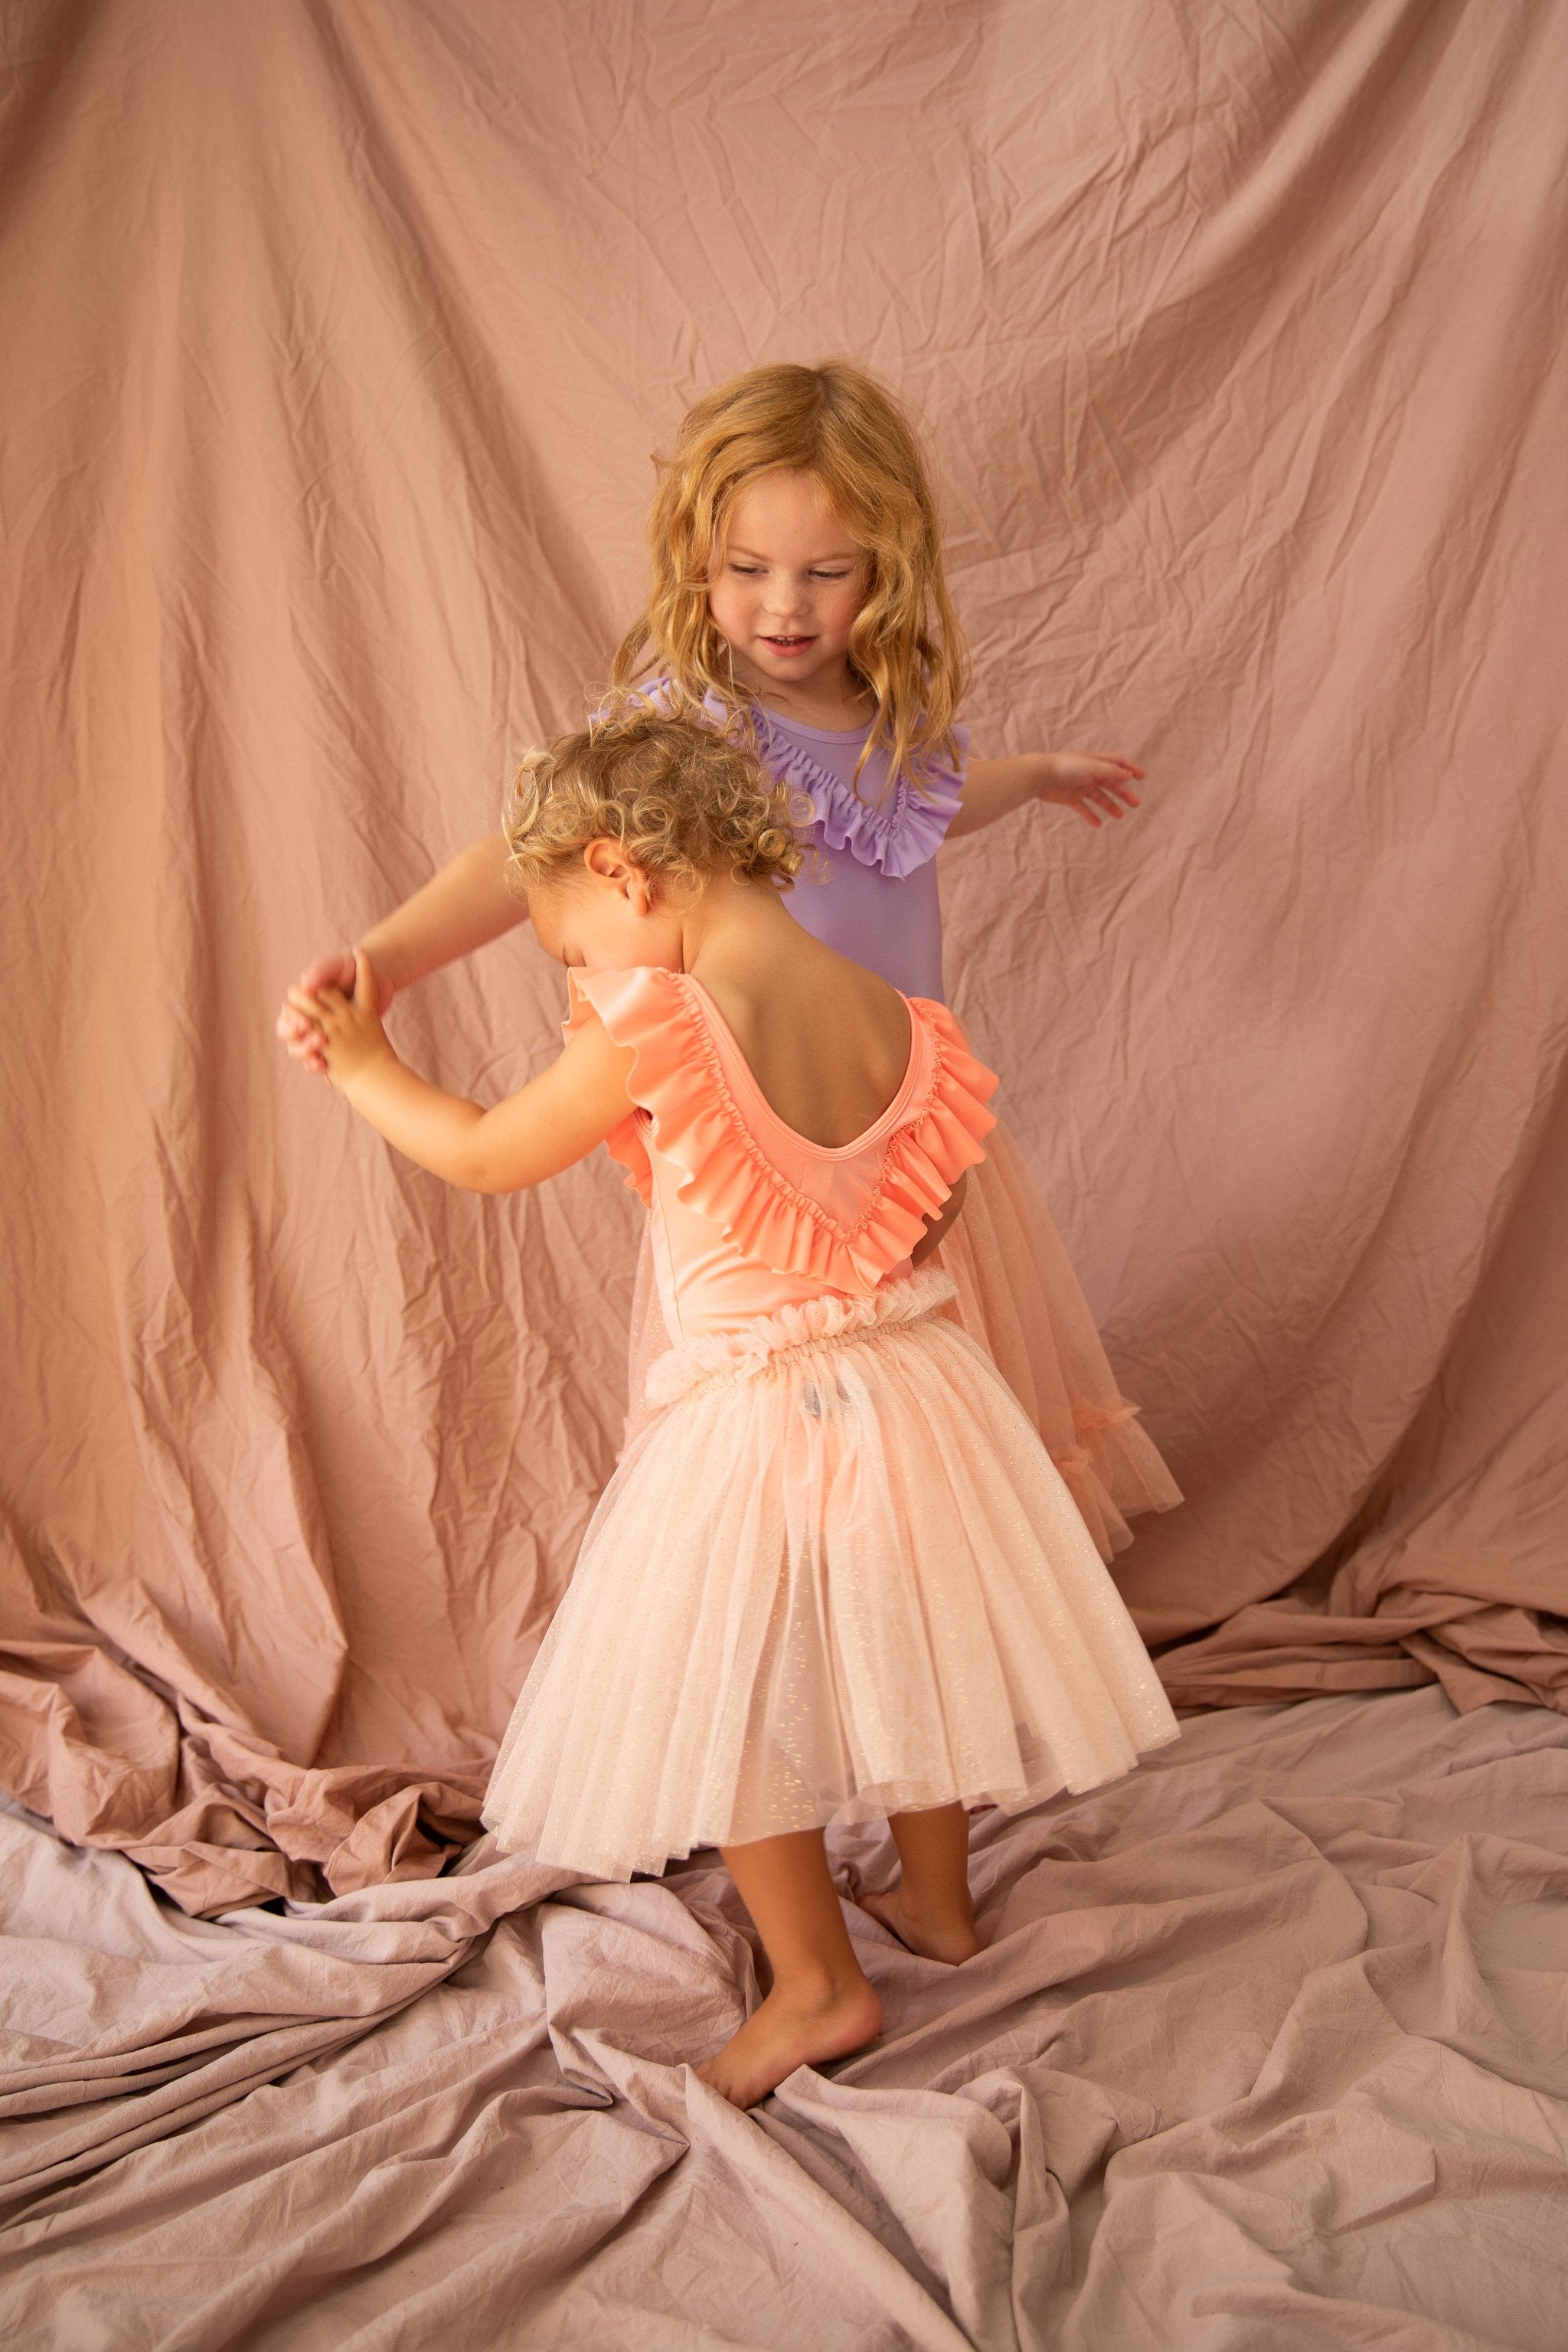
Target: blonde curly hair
pixel 683 801
pixel 841 426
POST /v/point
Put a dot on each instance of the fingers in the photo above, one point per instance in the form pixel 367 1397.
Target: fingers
pixel 302 1041
pixel 309 1009
pixel 312 1013
pixel 335 970
pixel 1110 796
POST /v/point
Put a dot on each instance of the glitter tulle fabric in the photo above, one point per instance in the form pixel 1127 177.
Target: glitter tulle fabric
pixel 1021 1302
pixel 838 1577
pixel 837 1574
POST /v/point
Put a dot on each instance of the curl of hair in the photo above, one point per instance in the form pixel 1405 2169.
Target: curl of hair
pixel 683 801
pixel 838 425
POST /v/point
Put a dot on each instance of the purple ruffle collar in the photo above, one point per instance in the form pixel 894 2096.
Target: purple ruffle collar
pixel 903 832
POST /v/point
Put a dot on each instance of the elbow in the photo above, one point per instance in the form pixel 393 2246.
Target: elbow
pixel 477 1178
pixel 484 1174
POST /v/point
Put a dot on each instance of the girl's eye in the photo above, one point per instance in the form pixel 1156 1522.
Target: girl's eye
pixel 748 571
pixel 830 575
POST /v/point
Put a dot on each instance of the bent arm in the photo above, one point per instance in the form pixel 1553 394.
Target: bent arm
pixel 468 903
pixel 549 1126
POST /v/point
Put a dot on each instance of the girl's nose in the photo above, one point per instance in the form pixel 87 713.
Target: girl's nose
pixel 787 598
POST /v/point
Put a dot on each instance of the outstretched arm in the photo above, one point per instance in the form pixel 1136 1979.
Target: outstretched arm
pixel 1096 783
pixel 551 1124
pixel 466 905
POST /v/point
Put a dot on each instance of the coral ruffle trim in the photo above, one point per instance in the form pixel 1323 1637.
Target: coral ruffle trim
pixel 679 1082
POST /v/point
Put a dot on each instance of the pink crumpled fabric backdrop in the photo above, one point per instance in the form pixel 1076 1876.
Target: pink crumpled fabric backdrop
pixel 338 338
pixel 335 340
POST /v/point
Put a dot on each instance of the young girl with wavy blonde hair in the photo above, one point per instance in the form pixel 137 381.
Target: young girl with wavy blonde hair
pixel 798 602
pixel 836 1577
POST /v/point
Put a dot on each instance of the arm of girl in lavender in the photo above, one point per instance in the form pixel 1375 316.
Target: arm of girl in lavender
pixel 468 903
pixel 548 1126
pixel 1096 783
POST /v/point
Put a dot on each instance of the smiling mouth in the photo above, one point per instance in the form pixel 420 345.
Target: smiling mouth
pixel 789 645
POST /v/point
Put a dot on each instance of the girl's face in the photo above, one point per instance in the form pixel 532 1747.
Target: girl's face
pixel 785 586
pixel 607 916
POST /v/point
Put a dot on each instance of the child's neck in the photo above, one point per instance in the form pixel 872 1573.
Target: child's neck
pixel 833 698
pixel 731 923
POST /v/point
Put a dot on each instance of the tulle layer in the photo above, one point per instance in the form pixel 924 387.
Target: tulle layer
pixel 1020 1300
pixel 838 1577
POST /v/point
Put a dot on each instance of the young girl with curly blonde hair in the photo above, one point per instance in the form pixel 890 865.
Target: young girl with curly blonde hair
pixel 798 602
pixel 836 1578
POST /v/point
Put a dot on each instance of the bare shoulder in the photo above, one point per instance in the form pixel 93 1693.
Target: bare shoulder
pixel 875 1004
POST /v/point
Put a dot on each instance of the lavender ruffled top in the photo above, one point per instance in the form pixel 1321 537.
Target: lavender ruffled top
pixel 870 889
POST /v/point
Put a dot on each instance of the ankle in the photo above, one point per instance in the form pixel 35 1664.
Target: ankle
pixel 936 1908
pixel 812 1984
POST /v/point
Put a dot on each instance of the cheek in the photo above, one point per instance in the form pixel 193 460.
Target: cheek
pixel 839 608
pixel 727 605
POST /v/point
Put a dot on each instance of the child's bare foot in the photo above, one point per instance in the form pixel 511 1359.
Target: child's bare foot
pixel 952 1940
pixel 790 2030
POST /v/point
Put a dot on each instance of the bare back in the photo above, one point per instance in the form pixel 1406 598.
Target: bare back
pixel 826 1040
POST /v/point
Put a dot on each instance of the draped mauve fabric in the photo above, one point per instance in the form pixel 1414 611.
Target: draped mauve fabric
pixel 335 338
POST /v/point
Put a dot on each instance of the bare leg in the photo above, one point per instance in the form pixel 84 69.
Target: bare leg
pixel 821 2005
pixel 930 1910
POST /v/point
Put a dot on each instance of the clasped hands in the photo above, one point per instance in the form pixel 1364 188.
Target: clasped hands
pixel 330 1029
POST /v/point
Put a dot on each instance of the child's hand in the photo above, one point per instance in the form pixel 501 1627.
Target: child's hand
pixel 300 1030
pixel 1095 783
pixel 347 1030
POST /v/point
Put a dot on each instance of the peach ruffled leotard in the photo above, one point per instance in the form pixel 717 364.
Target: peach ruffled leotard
pixel 836 1575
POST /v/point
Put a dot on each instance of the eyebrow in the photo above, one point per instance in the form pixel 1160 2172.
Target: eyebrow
pixel 841 555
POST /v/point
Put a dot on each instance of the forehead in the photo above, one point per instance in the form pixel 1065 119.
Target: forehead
pixel 784 516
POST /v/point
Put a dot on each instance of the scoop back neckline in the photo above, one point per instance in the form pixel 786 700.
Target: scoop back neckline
pixel 885 1120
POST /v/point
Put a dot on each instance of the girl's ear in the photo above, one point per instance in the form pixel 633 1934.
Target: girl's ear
pixel 608 861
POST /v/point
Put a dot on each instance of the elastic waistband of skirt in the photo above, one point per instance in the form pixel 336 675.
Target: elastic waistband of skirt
pixel 833 1321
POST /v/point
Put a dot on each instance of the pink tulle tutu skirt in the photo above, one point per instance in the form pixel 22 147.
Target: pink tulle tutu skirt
pixel 836 1576
pixel 1018 1297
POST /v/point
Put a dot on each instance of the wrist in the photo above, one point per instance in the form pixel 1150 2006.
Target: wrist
pixel 358 1084
pixel 392 977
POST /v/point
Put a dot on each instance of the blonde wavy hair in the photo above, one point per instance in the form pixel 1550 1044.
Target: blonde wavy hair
pixel 683 801
pixel 842 427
